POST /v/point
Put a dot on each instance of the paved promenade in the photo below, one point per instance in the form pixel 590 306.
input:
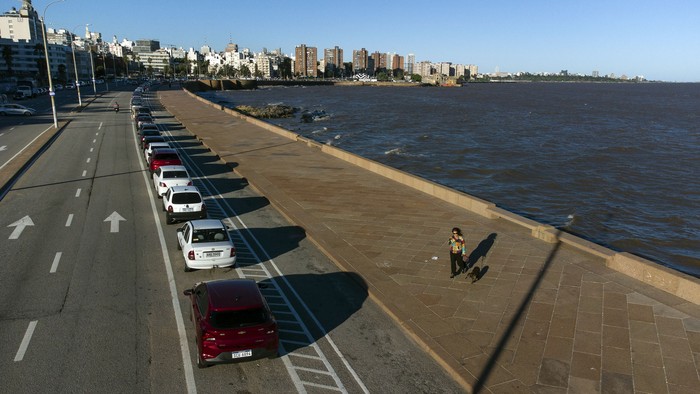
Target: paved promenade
pixel 543 318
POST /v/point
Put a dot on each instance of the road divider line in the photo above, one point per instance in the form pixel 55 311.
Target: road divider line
pixel 70 220
pixel 93 141
pixel 56 260
pixel 99 128
pixel 84 172
pixel 25 341
pixel 77 192
pixel 88 160
pixel 177 309
pixel 92 149
pixel 25 147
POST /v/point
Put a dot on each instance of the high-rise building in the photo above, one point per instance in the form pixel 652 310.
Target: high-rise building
pixel 21 25
pixel 306 59
pixel 410 64
pixel 333 58
pixel 360 60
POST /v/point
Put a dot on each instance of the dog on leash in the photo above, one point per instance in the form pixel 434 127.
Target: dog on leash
pixel 474 275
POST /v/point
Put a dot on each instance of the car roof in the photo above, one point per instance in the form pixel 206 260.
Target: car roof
pixel 234 294
pixel 159 145
pixel 173 168
pixel 203 224
pixel 182 189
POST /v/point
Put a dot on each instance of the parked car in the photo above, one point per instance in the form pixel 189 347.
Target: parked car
pixel 232 322
pixel 16 109
pixel 151 146
pixel 163 157
pixel 167 176
pixel 183 203
pixel 149 139
pixel 206 244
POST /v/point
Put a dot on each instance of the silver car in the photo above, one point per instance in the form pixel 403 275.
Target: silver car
pixel 16 109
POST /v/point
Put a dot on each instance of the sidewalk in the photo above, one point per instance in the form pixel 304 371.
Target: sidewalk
pixel 544 317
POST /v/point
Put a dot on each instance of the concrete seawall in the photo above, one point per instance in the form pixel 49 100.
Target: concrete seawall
pixel 661 277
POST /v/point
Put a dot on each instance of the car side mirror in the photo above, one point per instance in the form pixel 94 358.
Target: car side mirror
pixel 188 292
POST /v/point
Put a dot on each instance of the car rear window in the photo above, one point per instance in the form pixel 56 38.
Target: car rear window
pixel 210 235
pixel 186 198
pixel 174 174
pixel 236 319
pixel 166 156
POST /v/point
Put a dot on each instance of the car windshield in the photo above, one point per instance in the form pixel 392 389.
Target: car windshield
pixel 210 235
pixel 174 174
pixel 186 198
pixel 236 319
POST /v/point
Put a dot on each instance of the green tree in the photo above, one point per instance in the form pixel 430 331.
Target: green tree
pixel 7 56
pixel 382 76
pixel 416 78
pixel 245 71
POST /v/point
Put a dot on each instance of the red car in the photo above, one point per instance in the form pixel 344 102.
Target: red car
pixel 163 157
pixel 233 322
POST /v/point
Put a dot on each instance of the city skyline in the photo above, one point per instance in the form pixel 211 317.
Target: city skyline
pixel 634 38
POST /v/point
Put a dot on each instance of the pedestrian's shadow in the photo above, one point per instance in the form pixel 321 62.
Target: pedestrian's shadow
pixel 480 252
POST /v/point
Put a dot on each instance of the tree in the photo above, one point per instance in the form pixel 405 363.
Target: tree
pixel 245 71
pixel 7 56
pixel 62 76
pixel 416 78
pixel 382 76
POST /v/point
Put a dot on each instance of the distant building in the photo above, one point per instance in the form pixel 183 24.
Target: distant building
pixel 306 59
pixel 333 59
pixel 21 25
pixel 145 46
pixel 360 61
pixel 410 64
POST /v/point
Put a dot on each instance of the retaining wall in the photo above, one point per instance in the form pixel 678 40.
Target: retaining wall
pixel 654 274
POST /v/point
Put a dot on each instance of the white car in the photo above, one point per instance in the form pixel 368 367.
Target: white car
pixel 16 109
pixel 167 176
pixel 183 203
pixel 151 146
pixel 206 244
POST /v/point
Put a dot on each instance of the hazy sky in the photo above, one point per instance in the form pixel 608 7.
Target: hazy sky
pixel 659 40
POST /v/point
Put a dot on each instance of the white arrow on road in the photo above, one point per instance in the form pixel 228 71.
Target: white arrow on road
pixel 114 218
pixel 2 148
pixel 19 226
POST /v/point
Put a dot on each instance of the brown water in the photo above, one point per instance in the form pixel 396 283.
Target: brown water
pixel 614 163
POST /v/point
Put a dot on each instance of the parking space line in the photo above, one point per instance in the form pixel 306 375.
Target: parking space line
pixel 56 260
pixel 25 341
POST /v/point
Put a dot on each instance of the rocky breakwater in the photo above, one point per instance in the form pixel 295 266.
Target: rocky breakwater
pixel 268 111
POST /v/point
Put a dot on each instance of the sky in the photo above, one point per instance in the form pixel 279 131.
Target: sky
pixel 659 40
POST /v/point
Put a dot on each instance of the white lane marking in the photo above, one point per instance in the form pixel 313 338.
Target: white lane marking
pixel 99 128
pixel 177 310
pixel 25 341
pixel 19 226
pixel 56 259
pixel 114 220
pixel 1 134
pixel 84 172
pixel 70 220
pixel 92 149
pixel 93 141
pixel 25 147
pixel 88 160
pixel 77 192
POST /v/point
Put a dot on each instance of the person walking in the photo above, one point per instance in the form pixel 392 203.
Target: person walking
pixel 457 252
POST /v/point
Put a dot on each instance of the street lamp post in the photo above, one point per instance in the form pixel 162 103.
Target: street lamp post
pixel 75 67
pixel 92 66
pixel 48 65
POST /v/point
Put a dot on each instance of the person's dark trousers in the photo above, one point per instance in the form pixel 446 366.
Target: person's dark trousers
pixel 456 260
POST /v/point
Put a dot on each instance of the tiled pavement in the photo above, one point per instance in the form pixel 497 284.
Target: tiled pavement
pixel 543 318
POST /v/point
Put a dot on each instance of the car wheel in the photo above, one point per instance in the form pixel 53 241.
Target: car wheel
pixel 2 114
pixel 201 363
pixel 169 219
pixel 28 113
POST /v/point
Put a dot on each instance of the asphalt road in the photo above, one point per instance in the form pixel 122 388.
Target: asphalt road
pixel 92 302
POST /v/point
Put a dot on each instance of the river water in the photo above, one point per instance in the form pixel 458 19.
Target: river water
pixel 618 164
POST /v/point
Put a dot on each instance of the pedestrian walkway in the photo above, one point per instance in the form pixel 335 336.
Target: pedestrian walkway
pixel 544 317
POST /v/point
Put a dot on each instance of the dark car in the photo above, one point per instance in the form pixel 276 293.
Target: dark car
pixel 232 322
pixel 151 138
pixel 163 157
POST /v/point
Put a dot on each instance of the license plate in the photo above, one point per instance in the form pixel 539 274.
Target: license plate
pixel 242 353
pixel 186 209
pixel 212 254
